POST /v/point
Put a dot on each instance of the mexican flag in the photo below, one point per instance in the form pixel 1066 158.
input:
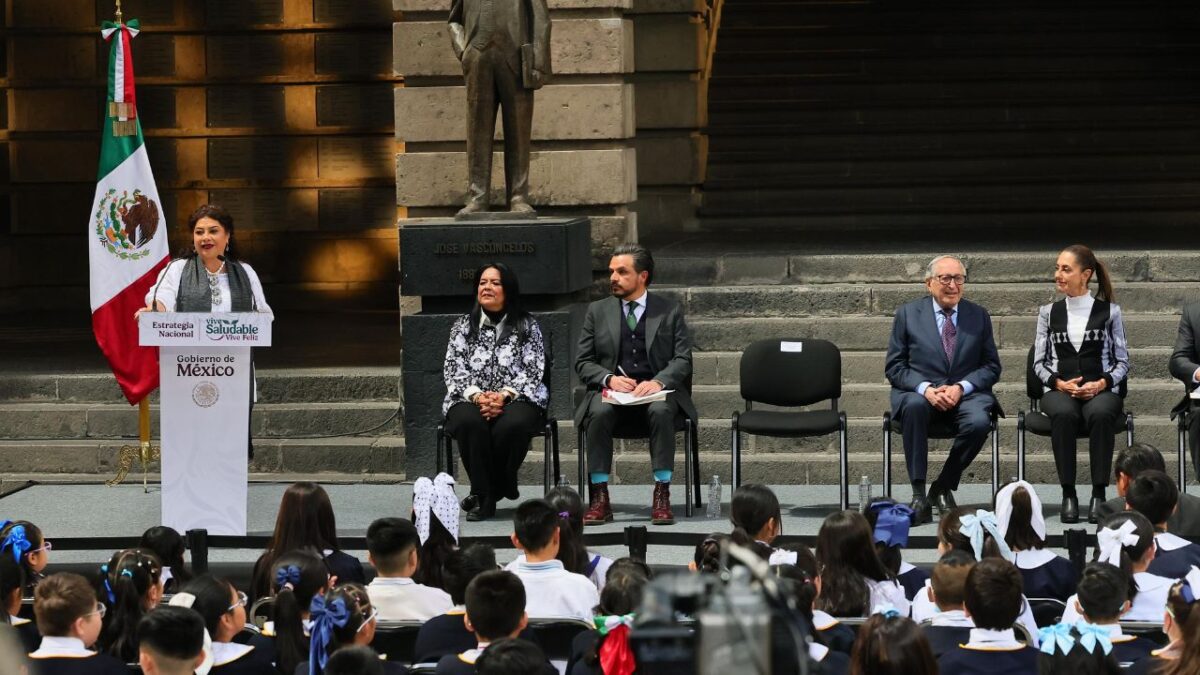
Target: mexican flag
pixel 127 235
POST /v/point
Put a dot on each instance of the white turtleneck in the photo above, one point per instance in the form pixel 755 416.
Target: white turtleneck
pixel 1079 310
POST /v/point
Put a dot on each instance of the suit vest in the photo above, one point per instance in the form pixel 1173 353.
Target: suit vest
pixel 635 358
pixel 1087 361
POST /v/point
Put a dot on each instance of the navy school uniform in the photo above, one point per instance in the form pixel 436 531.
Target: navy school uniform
pixel 27 632
pixel 947 631
pixel 231 658
pixel 829 662
pixel 1132 648
pixel 1175 556
pixel 1046 575
pixel 68 656
pixel 389 668
pixel 837 635
pixel 988 652
pixel 447 634
pixel 464 664
pixel 912 578
pixel 1151 665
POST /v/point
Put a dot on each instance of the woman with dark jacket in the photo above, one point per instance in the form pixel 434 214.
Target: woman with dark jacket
pixel 495 391
pixel 1082 359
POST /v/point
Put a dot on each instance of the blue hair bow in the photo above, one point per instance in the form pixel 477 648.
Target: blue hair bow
pixel 888 611
pixel 1090 635
pixel 1059 636
pixel 892 523
pixel 325 617
pixel 287 575
pixel 17 540
pixel 973 527
pixel 112 597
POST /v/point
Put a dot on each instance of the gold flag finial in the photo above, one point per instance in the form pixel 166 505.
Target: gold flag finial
pixel 118 11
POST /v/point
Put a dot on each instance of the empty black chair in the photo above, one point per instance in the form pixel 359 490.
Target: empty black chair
pixel 944 431
pixel 1038 423
pixel 1047 611
pixel 791 373
pixel 396 640
pixel 556 636
pixel 641 429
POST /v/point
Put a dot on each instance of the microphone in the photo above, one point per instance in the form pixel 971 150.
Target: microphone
pixel 154 296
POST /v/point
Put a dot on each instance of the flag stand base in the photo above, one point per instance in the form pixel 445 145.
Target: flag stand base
pixel 144 451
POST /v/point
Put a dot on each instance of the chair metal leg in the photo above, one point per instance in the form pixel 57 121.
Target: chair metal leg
pixel 547 462
pixel 1183 443
pixel 843 463
pixel 553 427
pixel 585 488
pixel 687 469
pixel 1129 430
pixel 995 460
pixel 887 454
pixel 694 446
pixel 735 452
pixel 441 438
pixel 1021 446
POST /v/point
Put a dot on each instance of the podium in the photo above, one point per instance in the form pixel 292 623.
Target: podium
pixel 206 388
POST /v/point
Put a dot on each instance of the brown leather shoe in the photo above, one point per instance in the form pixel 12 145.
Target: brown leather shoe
pixel 600 510
pixel 660 509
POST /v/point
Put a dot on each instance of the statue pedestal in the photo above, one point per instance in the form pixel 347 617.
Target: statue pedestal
pixel 438 259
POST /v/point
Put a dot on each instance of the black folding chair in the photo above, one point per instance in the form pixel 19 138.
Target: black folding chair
pixel 944 431
pixel 1183 419
pixel 548 432
pixel 555 636
pixel 640 428
pixel 396 640
pixel 1151 630
pixel 791 372
pixel 262 611
pixel 1038 423
pixel 1047 611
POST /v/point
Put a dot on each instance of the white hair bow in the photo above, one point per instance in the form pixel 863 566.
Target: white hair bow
pixel 1004 508
pixel 435 496
pixel 1110 542
pixel 973 528
pixel 186 600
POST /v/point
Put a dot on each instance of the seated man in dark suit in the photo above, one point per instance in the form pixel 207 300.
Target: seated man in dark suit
pixel 633 342
pixel 942 363
pixel 1185 367
pixel 1130 462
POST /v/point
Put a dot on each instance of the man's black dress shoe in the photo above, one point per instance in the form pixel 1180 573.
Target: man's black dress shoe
pixel 486 509
pixel 1094 510
pixel 470 502
pixel 922 512
pixel 943 500
pixel 1070 510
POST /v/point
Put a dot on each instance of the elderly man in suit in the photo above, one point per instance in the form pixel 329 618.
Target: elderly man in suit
pixel 635 342
pixel 1185 367
pixel 942 363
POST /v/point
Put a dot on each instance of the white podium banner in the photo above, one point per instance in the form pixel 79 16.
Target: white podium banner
pixel 205 387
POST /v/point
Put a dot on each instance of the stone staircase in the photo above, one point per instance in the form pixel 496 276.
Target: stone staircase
pixel 57 425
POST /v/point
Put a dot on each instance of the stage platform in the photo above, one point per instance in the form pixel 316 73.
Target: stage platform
pixel 93 510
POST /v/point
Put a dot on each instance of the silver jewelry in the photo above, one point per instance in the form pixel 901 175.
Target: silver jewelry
pixel 214 285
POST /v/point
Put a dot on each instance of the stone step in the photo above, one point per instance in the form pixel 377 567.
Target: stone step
pixel 1159 221
pixel 1146 397
pixel 293 385
pixel 854 333
pixel 1147 363
pixel 118 421
pixel 1003 299
pixel 352 455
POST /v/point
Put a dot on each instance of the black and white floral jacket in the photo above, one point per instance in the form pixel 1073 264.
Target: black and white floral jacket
pixel 495 359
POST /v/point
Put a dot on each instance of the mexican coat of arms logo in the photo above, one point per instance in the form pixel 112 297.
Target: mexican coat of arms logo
pixel 126 222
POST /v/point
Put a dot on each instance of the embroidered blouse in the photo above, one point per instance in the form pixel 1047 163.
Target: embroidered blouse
pixel 495 358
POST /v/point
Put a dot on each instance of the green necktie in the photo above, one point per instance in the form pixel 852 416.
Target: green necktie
pixel 631 318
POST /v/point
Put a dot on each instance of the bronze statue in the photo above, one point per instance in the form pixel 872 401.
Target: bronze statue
pixel 504 48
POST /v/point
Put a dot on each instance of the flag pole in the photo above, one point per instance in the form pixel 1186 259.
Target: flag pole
pixel 118 11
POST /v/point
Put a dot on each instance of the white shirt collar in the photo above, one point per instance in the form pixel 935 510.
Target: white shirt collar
pixel 1114 629
pixel 225 652
pixel 817 651
pixel 954 617
pixel 1084 301
pixel 985 638
pixel 1169 542
pixel 545 566
pixel 14 620
pixel 641 301
pixel 392 581
pixel 485 320
pixel 823 620
pixel 1033 558
pixel 905 568
pixel 61 646
pixel 937 309
pixel 1148 582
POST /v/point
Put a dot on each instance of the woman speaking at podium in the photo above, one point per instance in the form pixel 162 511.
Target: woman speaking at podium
pixel 209 278
pixel 496 393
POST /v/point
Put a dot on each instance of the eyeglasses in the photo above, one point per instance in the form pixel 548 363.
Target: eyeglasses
pixel 241 602
pixel 100 609
pixel 46 546
pixel 374 613
pixel 948 279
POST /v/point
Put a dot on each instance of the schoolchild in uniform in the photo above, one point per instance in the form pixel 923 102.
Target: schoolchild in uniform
pixel 223 609
pixel 1019 516
pixel 572 551
pixel 171 642
pixel 447 633
pixel 1126 540
pixel 1181 623
pixel 69 619
pixel 23 541
pixel 890 523
pixel 299 576
pixel 836 635
pixel 12 582
pixel 993 600
pixel 755 510
pixel 1102 601
pixel 129 586
pixel 495 610
pixel 853 578
pixel 1154 495
pixel 342 617
pixel 1077 649
pixel 891 644
pixel 951 626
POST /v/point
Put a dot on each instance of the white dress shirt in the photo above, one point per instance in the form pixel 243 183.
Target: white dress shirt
pixel 553 592
pixel 402 599
pixel 967 387
pixel 168 288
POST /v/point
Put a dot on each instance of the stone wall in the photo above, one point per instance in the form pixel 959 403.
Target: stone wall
pixel 280 110
pixel 583 160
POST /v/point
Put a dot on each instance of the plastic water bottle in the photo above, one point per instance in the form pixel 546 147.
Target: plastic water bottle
pixel 563 481
pixel 864 494
pixel 714 497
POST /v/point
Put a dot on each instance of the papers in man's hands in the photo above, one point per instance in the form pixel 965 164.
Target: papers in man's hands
pixel 624 398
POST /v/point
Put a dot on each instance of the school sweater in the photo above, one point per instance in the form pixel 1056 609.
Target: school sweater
pixel 68 656
pixel 1046 575
pixel 924 608
pixel 989 652
pixel 947 631
pixel 837 635
pixel 912 578
pixel 1175 556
